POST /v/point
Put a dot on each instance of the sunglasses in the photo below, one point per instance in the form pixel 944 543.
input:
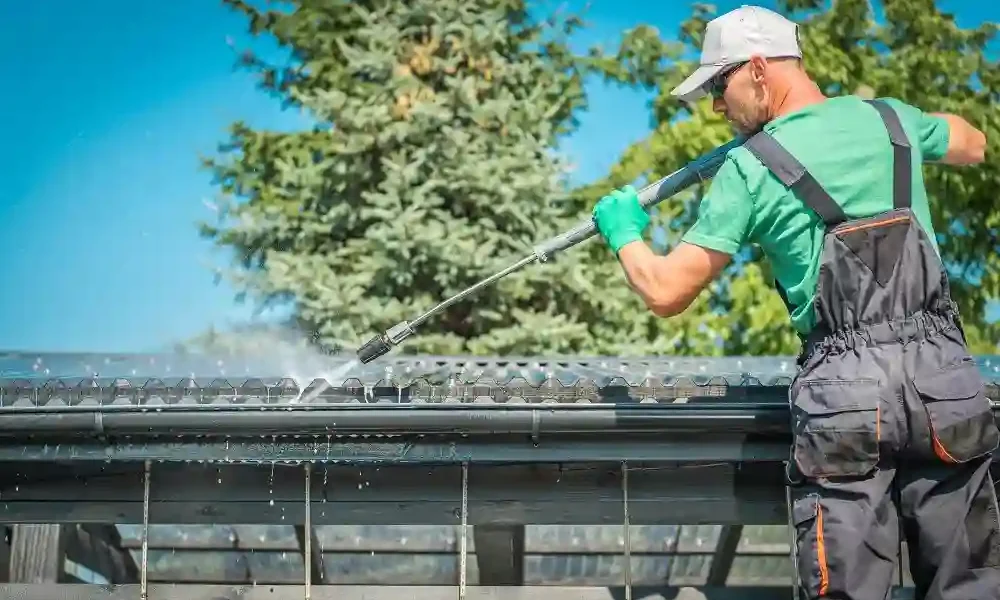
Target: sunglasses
pixel 716 86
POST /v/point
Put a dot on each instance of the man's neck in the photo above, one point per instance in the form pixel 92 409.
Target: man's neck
pixel 798 94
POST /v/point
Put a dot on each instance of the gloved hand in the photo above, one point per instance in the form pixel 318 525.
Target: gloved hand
pixel 620 218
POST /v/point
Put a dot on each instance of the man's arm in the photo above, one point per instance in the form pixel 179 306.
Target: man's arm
pixel 966 144
pixel 669 284
pixel 942 137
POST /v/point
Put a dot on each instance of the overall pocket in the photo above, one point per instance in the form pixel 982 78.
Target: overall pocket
pixel 836 430
pixel 812 562
pixel 962 426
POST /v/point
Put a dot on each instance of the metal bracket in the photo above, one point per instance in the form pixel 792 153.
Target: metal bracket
pixel 628 540
pixel 307 534
pixel 536 425
pixel 143 587
pixel 463 542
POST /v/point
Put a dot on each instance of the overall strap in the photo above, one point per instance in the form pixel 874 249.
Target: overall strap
pixel 793 174
pixel 902 168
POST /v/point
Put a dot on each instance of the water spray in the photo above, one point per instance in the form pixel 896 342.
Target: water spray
pixel 701 168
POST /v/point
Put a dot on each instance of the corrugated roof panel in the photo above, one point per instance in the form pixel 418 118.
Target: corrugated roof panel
pixel 58 373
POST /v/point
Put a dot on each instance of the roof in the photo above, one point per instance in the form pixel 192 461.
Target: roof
pixel 622 403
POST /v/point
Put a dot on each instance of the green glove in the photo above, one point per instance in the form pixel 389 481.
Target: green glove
pixel 620 218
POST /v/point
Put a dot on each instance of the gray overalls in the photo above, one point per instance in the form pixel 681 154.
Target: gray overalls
pixel 891 424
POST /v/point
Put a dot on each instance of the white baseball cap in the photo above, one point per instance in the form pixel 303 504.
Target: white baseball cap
pixel 733 38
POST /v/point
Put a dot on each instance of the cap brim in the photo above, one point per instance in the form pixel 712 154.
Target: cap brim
pixel 693 88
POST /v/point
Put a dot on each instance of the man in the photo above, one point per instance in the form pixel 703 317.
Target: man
pixel 891 426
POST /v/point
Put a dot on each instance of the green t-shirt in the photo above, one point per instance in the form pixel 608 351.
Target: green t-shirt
pixel 844 144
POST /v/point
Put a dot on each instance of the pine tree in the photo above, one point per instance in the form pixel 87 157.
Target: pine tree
pixel 430 167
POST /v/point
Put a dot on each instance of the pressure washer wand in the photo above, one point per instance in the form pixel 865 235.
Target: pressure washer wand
pixel 701 168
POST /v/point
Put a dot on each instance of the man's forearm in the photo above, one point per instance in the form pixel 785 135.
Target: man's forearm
pixel 966 144
pixel 669 284
pixel 641 268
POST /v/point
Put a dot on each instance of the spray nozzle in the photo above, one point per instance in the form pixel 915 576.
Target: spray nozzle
pixel 373 348
pixel 382 343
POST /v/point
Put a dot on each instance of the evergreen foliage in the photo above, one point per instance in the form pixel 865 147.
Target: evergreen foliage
pixel 432 166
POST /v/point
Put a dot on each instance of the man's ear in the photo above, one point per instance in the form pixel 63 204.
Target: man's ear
pixel 758 66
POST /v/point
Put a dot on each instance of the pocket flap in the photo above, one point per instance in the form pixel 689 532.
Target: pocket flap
pixel 805 509
pixel 955 382
pixel 832 396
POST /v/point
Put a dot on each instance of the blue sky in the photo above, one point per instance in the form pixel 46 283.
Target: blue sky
pixel 105 109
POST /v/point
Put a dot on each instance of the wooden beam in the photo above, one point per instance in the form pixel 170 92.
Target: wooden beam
pixel 329 592
pixel 397 495
pixel 38 554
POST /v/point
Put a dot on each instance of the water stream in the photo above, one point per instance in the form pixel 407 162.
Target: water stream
pixel 333 378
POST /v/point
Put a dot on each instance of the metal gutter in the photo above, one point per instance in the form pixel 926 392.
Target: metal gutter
pixel 714 418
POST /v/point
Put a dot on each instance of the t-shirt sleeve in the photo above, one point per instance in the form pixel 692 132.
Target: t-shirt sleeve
pixel 932 132
pixel 724 213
